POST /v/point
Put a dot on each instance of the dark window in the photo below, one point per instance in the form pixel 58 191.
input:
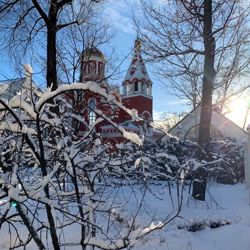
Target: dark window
pixel 92 69
pixel 143 88
pixel 92 114
pixel 101 69
pixel 136 86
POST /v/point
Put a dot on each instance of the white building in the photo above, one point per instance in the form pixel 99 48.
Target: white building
pixel 221 127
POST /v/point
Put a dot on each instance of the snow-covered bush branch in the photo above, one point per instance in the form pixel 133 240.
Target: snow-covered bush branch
pixel 53 181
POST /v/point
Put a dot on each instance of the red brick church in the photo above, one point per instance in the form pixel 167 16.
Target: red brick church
pixel 136 94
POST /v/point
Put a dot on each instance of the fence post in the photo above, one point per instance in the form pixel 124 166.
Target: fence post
pixel 247 158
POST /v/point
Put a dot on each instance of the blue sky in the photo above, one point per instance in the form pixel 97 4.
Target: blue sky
pixel 119 15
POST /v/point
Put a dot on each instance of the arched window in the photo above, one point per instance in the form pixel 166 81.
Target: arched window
pixel 101 69
pixel 136 86
pixel 92 114
pixel 92 68
pixel 143 88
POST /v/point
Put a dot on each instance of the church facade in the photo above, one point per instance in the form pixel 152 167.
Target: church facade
pixel 136 94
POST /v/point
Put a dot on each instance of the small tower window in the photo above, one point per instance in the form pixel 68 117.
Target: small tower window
pixel 136 86
pixel 92 114
pixel 92 70
pixel 101 69
pixel 148 90
pixel 143 88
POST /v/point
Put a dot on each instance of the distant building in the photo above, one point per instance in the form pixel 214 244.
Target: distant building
pixel 136 94
pixel 9 88
pixel 221 127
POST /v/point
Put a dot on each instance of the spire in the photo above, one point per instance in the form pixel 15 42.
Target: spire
pixel 137 46
pixel 137 74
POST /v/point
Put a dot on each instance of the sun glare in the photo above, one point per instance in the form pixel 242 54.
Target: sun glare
pixel 237 110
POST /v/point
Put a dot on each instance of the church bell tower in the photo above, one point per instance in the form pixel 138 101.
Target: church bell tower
pixel 92 65
pixel 137 86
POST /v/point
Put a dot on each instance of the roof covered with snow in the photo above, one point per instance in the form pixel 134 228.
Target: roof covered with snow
pixel 226 127
pixel 93 51
pixel 9 88
pixel 137 69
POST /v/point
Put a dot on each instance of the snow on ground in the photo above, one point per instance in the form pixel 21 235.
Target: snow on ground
pixel 223 203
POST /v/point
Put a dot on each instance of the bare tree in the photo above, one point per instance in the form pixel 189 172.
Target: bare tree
pixel 190 87
pixel 92 34
pixel 35 23
pixel 209 74
pixel 201 40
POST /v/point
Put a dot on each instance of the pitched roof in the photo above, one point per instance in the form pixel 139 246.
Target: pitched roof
pixel 9 88
pixel 137 69
pixel 227 127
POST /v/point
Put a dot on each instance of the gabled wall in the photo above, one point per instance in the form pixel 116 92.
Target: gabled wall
pixel 225 126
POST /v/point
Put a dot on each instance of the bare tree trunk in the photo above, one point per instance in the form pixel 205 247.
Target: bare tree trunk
pixel 51 221
pixel 30 228
pixel 51 76
pixel 51 60
pixel 199 184
pixel 209 76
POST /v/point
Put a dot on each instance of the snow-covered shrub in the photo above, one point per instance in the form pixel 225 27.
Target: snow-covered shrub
pixel 53 182
pixel 198 225
pixel 164 161
pixel 151 161
pixel 154 160
pixel 230 165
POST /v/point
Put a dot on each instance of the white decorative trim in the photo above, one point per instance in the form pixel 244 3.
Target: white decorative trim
pixel 134 95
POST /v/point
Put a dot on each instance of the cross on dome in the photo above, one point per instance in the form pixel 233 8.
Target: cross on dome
pixel 137 46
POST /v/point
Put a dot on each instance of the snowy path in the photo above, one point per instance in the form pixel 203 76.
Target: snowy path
pixel 227 202
pixel 224 203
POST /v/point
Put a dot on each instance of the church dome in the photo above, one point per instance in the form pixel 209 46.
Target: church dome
pixel 93 51
pixel 92 65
